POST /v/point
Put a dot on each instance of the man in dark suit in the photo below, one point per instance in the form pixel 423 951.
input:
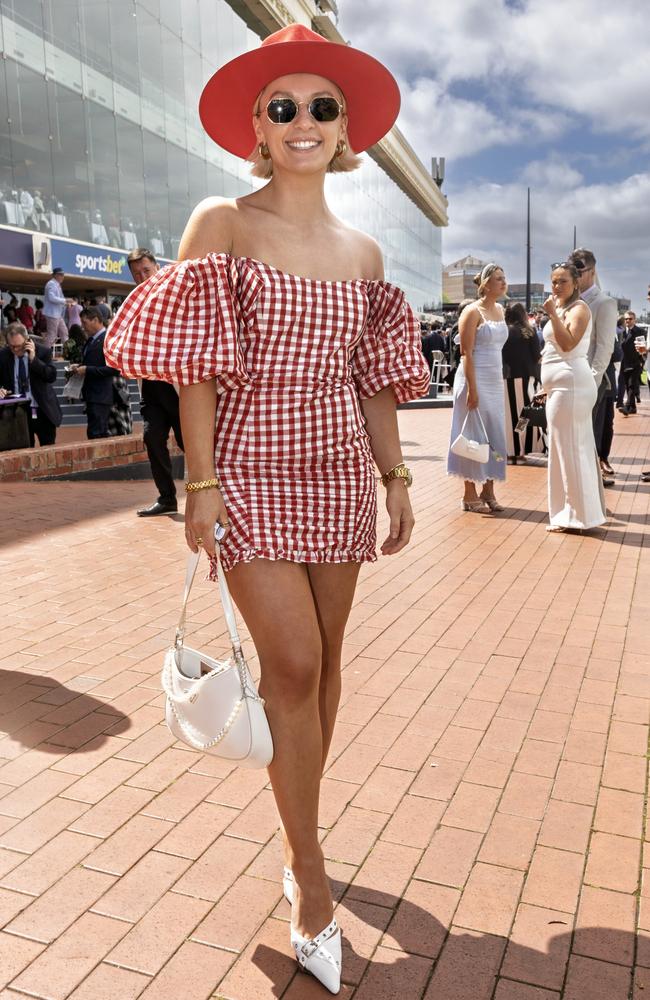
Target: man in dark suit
pixel 97 391
pixel 632 363
pixel 26 369
pixel 160 412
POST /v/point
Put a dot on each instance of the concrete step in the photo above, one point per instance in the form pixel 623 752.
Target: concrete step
pixel 73 413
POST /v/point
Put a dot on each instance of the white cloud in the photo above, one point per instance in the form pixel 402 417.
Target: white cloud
pixel 585 58
pixel 554 172
pixel 524 77
pixel 490 221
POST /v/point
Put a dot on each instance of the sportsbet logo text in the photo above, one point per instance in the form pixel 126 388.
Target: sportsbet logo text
pixel 105 265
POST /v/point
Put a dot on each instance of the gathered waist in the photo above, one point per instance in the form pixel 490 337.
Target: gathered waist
pixel 299 384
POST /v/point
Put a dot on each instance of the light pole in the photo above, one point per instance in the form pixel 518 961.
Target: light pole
pixel 528 297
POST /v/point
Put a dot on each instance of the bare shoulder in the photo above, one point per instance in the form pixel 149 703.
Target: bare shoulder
pixel 209 228
pixel 471 316
pixel 581 309
pixel 366 253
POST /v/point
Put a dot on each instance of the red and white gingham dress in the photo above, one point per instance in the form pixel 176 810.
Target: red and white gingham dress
pixel 292 358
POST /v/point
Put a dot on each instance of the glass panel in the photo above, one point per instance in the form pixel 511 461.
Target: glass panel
pixel 170 15
pixel 191 20
pixel 179 198
pixel 124 44
pixel 30 148
pixel 94 28
pixel 156 195
pixel 61 23
pixel 197 180
pixel 149 59
pixel 7 183
pixel 130 162
pixel 70 164
pixel 104 180
pixel 27 12
pixel 175 106
pixel 209 37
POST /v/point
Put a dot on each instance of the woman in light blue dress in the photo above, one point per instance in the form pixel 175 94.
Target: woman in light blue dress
pixel 478 387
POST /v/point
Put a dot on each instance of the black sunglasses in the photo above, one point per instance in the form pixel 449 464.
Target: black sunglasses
pixel 579 266
pixel 282 110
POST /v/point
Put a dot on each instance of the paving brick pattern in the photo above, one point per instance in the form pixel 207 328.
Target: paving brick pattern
pixel 484 810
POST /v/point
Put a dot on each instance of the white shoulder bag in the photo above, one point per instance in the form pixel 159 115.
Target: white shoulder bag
pixel 212 705
pixel 466 447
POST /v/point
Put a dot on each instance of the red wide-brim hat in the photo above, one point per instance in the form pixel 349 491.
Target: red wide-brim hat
pixel 371 94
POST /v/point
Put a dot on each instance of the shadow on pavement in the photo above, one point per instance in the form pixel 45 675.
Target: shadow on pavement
pixel 38 711
pixel 428 961
pixel 47 507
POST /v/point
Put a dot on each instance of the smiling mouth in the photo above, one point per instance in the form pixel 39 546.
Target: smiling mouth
pixel 303 145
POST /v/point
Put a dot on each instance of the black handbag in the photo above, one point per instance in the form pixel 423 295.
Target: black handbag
pixel 14 425
pixel 535 414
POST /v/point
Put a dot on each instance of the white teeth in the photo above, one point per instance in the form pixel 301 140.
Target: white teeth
pixel 302 145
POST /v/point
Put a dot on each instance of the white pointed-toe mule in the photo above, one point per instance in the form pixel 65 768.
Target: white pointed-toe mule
pixel 321 956
pixel 287 884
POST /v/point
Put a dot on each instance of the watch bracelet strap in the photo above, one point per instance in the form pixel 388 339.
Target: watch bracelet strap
pixel 393 474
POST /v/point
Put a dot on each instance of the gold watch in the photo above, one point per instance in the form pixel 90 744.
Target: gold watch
pixel 400 471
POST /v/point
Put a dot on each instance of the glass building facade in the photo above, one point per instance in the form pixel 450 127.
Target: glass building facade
pixel 100 140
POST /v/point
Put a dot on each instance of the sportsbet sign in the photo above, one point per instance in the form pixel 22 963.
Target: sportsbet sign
pixel 90 262
pixel 86 262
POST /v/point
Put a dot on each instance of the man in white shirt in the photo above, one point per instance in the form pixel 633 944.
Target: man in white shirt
pixel 54 303
pixel 604 313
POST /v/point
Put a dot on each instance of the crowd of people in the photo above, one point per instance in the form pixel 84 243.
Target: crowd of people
pixel 518 390
pixel 76 327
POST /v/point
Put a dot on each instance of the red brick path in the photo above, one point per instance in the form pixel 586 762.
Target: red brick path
pixel 483 814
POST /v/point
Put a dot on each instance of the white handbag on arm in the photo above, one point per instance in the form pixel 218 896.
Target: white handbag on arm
pixel 212 705
pixel 467 447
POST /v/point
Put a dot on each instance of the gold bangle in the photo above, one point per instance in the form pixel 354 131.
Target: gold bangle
pixel 205 484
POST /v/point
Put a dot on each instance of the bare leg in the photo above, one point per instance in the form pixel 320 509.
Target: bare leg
pixel 487 492
pixel 470 495
pixel 278 606
pixel 333 588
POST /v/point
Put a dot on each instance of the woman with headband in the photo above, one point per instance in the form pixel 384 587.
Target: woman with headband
pixel 291 352
pixel 478 388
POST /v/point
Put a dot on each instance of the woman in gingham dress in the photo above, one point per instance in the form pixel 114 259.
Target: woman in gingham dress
pixel 280 331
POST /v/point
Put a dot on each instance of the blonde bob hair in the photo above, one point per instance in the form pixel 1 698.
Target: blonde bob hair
pixel 341 163
pixel 482 279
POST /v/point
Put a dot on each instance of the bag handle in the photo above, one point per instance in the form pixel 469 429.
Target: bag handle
pixel 480 420
pixel 226 601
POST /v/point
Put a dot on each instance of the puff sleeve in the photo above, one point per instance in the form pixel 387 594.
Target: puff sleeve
pixel 389 351
pixel 181 325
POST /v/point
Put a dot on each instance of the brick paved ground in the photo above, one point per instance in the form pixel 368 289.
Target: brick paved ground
pixel 483 813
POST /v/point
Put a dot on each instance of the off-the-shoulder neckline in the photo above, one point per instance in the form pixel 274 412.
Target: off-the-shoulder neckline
pixel 301 277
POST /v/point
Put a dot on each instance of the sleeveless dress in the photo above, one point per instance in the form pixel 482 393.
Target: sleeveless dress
pixel 292 358
pixel 491 335
pixel 576 498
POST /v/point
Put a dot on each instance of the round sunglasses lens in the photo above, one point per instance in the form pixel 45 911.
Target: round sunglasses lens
pixel 281 111
pixel 324 109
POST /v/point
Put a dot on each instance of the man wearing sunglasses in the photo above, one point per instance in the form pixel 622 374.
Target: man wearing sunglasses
pixel 633 345
pixel 600 354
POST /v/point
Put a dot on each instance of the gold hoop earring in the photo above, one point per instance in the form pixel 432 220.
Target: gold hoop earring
pixel 263 150
pixel 341 148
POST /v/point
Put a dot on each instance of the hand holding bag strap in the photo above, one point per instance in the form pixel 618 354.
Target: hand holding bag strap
pixel 226 601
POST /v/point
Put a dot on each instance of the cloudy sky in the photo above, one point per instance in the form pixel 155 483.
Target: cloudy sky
pixel 551 94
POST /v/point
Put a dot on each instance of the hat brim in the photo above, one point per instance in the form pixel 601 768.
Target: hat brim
pixel 372 98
